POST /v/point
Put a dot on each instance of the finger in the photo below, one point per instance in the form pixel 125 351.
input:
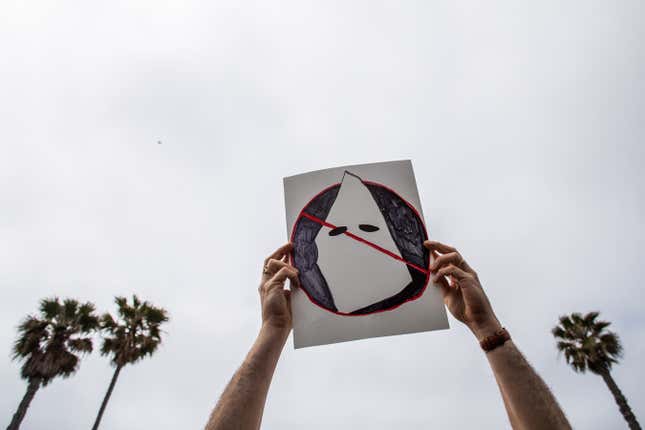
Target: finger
pixel 442 283
pixel 287 295
pixel 438 246
pixel 445 249
pixel 454 271
pixel 445 259
pixel 273 266
pixel 279 253
pixel 454 258
pixel 439 281
pixel 282 275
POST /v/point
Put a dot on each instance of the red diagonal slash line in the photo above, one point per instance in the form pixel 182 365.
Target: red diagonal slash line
pixel 367 242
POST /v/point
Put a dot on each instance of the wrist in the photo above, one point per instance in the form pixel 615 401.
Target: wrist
pixel 496 340
pixel 274 332
pixel 268 344
pixel 485 328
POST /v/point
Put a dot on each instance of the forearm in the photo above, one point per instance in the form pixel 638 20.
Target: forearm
pixel 242 403
pixel 511 415
pixel 529 402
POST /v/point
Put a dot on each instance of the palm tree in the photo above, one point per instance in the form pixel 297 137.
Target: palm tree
pixel 587 345
pixel 135 335
pixel 49 345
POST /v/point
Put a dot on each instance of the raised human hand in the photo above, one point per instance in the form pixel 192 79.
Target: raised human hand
pixel 462 292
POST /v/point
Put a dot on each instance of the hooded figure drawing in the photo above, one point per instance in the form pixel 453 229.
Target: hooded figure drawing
pixel 356 245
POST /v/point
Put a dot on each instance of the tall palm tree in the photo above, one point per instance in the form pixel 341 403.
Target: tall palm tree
pixel 135 335
pixel 588 345
pixel 48 344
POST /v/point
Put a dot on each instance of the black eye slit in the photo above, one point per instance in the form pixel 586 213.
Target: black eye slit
pixel 368 227
pixel 338 230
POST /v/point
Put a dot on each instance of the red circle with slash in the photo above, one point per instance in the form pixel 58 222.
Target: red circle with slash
pixel 366 242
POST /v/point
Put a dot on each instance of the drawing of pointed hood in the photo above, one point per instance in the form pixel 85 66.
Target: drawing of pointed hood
pixel 358 275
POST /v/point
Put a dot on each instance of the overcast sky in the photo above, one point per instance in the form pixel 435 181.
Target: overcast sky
pixel 524 124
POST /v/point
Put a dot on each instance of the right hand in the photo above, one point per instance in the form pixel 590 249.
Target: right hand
pixel 463 294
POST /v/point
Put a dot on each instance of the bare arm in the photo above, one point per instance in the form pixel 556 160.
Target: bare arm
pixel 242 402
pixel 528 401
pixel 529 398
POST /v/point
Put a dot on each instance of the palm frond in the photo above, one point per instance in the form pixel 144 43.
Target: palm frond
pixel 70 307
pixel 154 316
pixel 599 326
pixel 558 331
pixel 121 301
pixel 31 332
pixel 81 345
pixel 590 318
pixel 50 308
pixel 610 342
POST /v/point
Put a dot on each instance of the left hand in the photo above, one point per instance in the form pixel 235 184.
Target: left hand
pixel 463 295
pixel 275 300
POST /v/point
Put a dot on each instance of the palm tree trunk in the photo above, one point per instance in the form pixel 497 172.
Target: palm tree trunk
pixel 106 398
pixel 621 401
pixel 33 386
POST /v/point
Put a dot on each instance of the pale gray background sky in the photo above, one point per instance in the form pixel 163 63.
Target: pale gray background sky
pixel 524 124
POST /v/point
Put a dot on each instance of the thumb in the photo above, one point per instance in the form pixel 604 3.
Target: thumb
pixel 439 281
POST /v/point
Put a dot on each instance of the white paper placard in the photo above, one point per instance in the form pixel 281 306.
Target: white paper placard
pixel 358 232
